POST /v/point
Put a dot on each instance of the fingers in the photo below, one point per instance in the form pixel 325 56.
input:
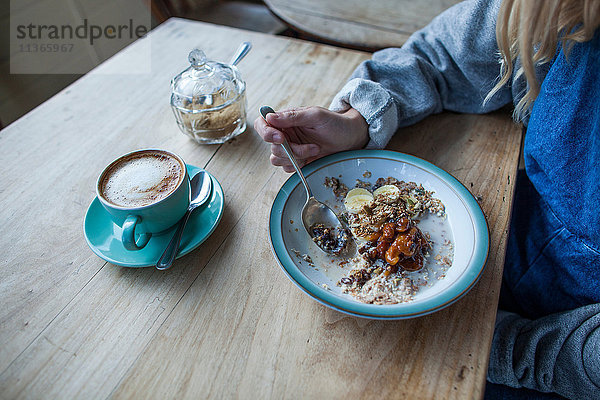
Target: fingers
pixel 284 163
pixel 303 153
pixel 306 116
pixel 289 120
pixel 268 133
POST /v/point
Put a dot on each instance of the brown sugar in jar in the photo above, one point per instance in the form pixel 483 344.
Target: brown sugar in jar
pixel 208 100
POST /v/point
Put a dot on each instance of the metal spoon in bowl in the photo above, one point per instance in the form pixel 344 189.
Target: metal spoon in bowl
pixel 200 189
pixel 318 219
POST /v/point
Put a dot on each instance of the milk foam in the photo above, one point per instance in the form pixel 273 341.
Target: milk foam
pixel 141 179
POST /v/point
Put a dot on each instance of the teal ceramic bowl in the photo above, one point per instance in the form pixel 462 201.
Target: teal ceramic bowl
pixel 464 229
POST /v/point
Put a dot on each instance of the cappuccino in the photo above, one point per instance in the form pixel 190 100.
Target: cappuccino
pixel 141 178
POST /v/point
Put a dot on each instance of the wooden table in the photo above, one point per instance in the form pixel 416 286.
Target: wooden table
pixel 224 321
pixel 358 24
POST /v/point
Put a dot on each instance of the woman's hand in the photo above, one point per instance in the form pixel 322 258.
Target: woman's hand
pixel 312 132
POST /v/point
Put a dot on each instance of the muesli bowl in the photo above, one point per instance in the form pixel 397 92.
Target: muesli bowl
pixel 459 236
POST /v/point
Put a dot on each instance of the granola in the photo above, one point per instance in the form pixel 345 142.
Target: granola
pixel 339 189
pixel 392 249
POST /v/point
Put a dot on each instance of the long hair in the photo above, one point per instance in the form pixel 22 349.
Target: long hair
pixel 530 30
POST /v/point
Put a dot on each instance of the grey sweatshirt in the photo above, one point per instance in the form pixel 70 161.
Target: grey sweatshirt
pixel 451 65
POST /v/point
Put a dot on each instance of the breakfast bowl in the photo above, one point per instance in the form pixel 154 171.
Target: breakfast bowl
pixel 458 235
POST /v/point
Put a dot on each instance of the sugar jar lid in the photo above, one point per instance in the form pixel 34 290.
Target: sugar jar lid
pixel 207 83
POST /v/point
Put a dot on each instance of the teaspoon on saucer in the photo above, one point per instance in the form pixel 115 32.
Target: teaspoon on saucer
pixel 200 189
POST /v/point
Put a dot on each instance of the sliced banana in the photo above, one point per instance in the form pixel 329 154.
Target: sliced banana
pixel 356 198
pixel 358 191
pixel 355 203
pixel 388 192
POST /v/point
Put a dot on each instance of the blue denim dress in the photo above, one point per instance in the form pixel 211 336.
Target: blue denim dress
pixel 553 255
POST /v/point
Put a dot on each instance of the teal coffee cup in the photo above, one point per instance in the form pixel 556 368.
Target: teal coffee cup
pixel 145 192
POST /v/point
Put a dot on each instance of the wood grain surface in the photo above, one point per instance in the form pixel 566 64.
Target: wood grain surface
pixel 365 25
pixel 224 321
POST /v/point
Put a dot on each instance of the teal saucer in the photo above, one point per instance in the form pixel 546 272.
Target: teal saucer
pixel 104 237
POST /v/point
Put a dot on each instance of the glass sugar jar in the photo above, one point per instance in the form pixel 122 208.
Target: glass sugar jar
pixel 209 100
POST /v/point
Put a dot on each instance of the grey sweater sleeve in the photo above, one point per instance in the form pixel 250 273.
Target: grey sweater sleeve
pixel 558 353
pixel 451 64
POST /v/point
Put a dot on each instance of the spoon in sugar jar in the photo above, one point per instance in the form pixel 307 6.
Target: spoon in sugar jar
pixel 240 53
pixel 321 222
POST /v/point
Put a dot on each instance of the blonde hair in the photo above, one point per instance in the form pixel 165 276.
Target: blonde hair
pixel 531 29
